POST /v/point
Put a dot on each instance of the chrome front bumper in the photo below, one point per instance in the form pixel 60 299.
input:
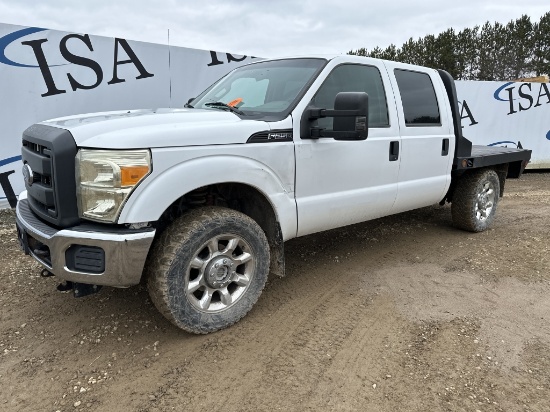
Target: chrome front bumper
pixel 124 250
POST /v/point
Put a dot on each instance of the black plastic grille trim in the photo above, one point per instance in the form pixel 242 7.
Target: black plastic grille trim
pixel 50 152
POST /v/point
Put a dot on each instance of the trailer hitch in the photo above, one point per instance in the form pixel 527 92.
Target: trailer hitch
pixel 79 289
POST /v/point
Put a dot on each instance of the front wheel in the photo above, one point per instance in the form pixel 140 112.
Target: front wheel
pixel 208 269
pixel 475 200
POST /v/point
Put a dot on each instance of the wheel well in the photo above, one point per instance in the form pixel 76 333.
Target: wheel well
pixel 501 170
pixel 237 196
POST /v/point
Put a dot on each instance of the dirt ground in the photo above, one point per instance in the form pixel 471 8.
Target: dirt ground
pixel 404 313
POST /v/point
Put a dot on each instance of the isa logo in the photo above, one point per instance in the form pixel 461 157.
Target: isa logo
pixel 522 96
pixel 70 57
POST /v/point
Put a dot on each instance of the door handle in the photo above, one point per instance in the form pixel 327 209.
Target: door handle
pixel 445 147
pixel 394 151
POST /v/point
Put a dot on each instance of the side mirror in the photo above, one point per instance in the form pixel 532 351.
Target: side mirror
pixel 351 114
pixel 357 124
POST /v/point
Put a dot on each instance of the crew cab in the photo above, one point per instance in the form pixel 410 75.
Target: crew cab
pixel 198 201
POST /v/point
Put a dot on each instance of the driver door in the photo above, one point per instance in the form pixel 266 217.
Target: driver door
pixel 344 182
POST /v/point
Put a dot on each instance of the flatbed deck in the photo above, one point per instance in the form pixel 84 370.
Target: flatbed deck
pixel 483 156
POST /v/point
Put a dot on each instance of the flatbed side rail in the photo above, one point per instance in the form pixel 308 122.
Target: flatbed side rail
pixel 484 156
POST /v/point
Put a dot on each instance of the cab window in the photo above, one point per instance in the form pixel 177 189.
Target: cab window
pixel 353 78
pixel 418 97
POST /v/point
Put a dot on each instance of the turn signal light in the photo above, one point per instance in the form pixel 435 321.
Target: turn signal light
pixel 131 175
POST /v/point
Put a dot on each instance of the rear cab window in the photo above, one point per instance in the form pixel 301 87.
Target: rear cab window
pixel 418 97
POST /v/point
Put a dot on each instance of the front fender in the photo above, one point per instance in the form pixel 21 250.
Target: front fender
pixel 172 177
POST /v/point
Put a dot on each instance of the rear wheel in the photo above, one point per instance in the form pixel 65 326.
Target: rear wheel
pixel 475 200
pixel 208 269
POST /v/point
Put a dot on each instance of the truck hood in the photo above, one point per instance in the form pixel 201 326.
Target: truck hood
pixel 158 128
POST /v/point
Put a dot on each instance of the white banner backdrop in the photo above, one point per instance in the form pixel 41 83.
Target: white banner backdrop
pixel 505 114
pixel 47 73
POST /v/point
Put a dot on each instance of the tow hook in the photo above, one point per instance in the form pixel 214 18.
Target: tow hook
pixel 46 273
pixel 79 289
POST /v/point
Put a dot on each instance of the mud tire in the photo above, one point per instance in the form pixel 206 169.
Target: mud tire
pixel 171 269
pixel 475 200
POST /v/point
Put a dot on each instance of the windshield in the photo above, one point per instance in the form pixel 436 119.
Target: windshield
pixel 261 90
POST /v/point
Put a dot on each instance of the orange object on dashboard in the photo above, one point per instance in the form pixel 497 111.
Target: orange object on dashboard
pixel 235 102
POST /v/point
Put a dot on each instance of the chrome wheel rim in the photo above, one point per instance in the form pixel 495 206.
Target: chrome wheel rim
pixel 219 273
pixel 485 201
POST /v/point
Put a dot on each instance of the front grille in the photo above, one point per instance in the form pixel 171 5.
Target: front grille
pixel 50 153
pixel 40 190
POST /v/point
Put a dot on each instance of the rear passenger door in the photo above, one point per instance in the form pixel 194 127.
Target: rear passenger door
pixel 427 136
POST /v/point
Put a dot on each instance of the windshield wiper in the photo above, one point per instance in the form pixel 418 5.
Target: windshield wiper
pixel 188 106
pixel 222 105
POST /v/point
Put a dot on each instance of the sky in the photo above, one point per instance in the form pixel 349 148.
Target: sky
pixel 267 28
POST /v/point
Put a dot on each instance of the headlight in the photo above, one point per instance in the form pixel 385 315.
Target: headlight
pixel 105 179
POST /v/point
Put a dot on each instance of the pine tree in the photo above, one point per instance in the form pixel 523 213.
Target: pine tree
pixel 519 56
pixel 495 51
pixel 541 40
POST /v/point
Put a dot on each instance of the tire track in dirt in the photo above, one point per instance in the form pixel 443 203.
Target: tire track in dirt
pixel 364 362
pixel 289 359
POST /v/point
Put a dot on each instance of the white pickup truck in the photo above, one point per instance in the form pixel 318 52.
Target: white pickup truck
pixel 198 201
